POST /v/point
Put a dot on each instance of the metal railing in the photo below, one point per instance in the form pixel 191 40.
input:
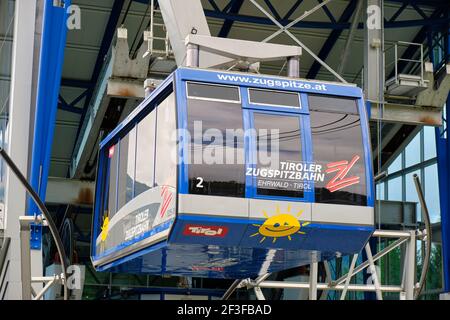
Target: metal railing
pixel 398 59
pixel 152 38
pixel 406 289
pixel 3 254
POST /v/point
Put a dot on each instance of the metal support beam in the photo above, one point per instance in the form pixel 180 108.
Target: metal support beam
pixel 273 9
pixel 231 289
pixel 50 70
pixel 47 286
pixel 290 24
pixel 374 76
pixel 351 34
pixel 3 252
pixel 326 25
pixel 259 294
pixel 215 6
pixel 120 84
pixel 285 30
pixel 19 123
pixel 107 39
pixel 228 23
pixel 328 12
pixel 349 276
pixel 443 160
pixel 443 157
pixel 192 56
pixel 398 12
pixel 293 67
pixel 374 273
pixel 406 114
pixel 377 256
pixel 63 105
pixel 292 9
pixel 70 191
pixel 332 39
pixel 323 286
pixel 410 267
pixel 329 280
pixel 25 223
pixel 313 272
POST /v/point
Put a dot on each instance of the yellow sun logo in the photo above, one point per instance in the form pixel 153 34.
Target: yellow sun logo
pixel 280 225
pixel 105 228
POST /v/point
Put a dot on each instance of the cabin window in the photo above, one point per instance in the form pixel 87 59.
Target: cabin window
pixel 274 98
pixel 338 146
pixel 166 147
pixel 127 150
pixel 145 154
pixel 113 157
pixel 216 149
pixel 279 145
pixel 333 104
pixel 132 163
pixel 213 92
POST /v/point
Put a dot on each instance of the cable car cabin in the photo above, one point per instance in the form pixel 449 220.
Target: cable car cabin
pixel 231 175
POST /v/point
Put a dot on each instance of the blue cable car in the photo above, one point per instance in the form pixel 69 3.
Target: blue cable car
pixel 233 175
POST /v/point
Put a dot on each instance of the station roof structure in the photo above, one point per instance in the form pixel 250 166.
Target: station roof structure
pixel 325 32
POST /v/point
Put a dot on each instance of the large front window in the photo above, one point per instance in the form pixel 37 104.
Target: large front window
pixel 216 149
pixel 338 147
pixel 278 146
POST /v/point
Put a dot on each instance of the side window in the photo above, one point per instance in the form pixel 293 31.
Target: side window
pixel 145 153
pixel 338 147
pixel 332 104
pixel 113 156
pixel 166 167
pixel 274 98
pixel 212 92
pixel 216 149
pixel 127 159
pixel 278 143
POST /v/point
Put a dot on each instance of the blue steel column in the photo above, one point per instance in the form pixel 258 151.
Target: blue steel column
pixel 443 151
pixel 50 68
pixel 443 147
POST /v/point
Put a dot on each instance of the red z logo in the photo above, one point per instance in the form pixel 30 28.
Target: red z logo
pixel 166 198
pixel 340 181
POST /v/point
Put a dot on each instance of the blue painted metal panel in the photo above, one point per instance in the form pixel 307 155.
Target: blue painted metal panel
pixel 443 149
pixel 126 244
pixel 443 160
pixel 50 69
pixel 179 291
pixel 269 82
pixel 238 254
